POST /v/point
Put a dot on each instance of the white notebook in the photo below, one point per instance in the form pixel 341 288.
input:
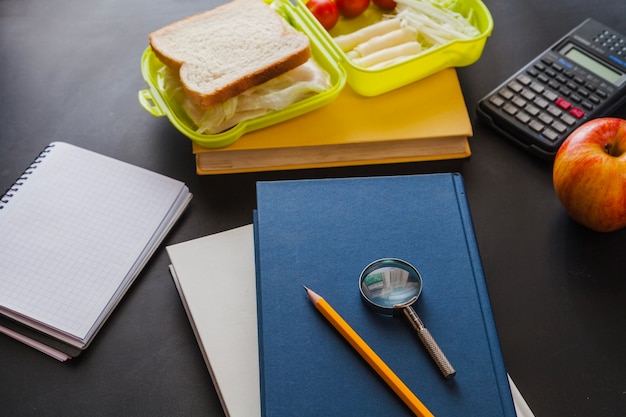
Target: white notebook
pixel 215 277
pixel 77 228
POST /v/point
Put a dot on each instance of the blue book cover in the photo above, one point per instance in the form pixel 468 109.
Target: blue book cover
pixel 322 233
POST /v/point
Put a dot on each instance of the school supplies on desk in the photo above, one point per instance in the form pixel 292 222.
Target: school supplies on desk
pixel 426 120
pixel 77 228
pixel 322 234
pixel 207 271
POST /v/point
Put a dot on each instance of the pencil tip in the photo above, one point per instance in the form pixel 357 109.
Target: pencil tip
pixel 313 296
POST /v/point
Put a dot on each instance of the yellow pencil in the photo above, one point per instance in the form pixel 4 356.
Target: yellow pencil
pixel 369 355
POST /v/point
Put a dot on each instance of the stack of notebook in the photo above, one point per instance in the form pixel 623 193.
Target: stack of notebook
pixel 277 355
pixel 426 120
pixel 77 228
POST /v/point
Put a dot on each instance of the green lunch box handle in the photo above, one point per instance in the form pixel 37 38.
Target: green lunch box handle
pixel 147 101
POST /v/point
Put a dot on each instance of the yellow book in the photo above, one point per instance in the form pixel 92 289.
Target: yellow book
pixel 426 120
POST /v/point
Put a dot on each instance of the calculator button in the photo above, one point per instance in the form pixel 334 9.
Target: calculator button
pixel 536 126
pixel 583 93
pixel 532 110
pixel 567 119
pixel 576 98
pixel 550 95
pixel 564 91
pixel 496 101
pixel 550 134
pixel 510 109
pixel 546 118
pixel 519 102
pixel 564 104
pixel 577 113
pixel 539 66
pixel 555 111
pixel 595 100
pixel 602 94
pixel 506 93
pixel 541 103
pixel 527 94
pixel 536 87
pixel 557 68
pixel 587 105
pixel 522 117
pixel 550 73
pixel 515 86
pixel 523 79
pixel 559 127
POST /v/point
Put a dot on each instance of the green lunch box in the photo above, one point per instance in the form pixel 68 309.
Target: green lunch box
pixel 364 81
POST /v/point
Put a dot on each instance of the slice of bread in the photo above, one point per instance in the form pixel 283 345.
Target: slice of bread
pixel 223 52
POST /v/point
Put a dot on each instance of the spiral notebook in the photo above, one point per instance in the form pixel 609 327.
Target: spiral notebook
pixel 77 228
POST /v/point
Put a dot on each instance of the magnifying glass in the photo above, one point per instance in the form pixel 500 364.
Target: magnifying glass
pixel 390 286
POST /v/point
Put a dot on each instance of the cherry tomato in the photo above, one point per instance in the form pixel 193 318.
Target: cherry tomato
pixel 352 8
pixel 385 4
pixel 325 11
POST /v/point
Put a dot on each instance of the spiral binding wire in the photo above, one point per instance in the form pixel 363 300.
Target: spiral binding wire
pixel 10 192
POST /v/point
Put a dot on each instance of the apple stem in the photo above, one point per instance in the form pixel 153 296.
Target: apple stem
pixel 607 148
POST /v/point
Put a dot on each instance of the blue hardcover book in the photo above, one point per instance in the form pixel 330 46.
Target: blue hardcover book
pixel 322 233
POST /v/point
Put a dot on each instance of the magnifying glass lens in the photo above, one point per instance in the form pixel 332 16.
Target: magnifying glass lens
pixel 388 284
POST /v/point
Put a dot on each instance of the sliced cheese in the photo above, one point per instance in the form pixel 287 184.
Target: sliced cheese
pixel 403 50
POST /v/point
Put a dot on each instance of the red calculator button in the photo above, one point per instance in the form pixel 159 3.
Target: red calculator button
pixel 562 103
pixel 576 112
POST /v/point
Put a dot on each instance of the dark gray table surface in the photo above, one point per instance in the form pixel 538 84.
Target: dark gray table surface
pixel 71 71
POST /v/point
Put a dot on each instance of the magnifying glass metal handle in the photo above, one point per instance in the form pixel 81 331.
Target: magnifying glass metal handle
pixel 427 339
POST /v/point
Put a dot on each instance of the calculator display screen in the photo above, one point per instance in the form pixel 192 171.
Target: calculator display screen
pixel 593 65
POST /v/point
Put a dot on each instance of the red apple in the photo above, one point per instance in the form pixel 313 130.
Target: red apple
pixel 589 174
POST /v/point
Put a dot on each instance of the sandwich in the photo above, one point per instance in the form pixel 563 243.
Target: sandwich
pixel 235 62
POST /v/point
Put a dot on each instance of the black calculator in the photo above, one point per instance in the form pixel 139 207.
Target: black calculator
pixel 581 77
